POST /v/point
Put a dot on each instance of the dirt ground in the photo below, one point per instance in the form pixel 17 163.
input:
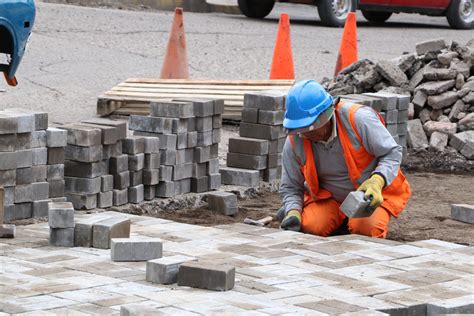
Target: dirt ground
pixel 427 215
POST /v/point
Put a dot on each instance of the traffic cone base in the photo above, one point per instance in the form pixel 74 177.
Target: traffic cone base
pixel 348 49
pixel 175 63
pixel 282 63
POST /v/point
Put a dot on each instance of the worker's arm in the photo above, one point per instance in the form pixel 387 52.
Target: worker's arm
pixel 292 180
pixel 378 141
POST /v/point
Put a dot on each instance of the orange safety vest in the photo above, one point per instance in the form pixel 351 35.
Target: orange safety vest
pixel 360 163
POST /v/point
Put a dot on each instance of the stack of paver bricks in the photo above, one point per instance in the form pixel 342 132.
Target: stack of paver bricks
pixel 61 224
pixel 31 163
pixel 392 107
pixel 91 146
pixel 99 230
pixel 256 154
pixel 189 132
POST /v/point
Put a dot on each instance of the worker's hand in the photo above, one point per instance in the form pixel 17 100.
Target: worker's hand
pixel 372 188
pixel 292 221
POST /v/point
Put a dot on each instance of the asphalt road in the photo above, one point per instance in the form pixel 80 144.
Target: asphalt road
pixel 76 53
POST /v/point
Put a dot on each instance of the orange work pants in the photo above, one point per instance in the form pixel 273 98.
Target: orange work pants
pixel 323 217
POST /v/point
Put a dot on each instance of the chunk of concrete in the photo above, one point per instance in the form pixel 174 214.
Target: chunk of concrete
pixel 417 139
pixel 438 142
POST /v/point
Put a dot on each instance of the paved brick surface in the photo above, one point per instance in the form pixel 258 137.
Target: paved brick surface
pixel 277 272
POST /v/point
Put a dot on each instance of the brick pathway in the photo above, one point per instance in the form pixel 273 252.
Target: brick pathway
pixel 278 272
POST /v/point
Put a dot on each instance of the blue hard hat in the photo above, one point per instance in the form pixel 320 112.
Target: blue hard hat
pixel 305 102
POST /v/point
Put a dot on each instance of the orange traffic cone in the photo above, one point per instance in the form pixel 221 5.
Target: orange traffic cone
pixel 348 50
pixel 175 65
pixel 282 64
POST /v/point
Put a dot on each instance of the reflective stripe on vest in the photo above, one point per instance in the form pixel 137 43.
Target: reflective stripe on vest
pixel 360 163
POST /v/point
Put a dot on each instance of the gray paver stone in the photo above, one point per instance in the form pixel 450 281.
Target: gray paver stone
pixel 136 162
pixel 133 145
pixel 56 188
pixel 149 192
pixel 23 176
pixel 56 137
pixel 107 183
pixel 105 230
pixel 61 237
pixel 215 180
pixel 165 270
pixel 120 197
pixel 121 126
pixel 56 155
pixel 109 134
pixel 172 109
pixel 118 164
pixel 82 201
pixel 151 145
pixel 250 146
pixel 40 208
pixel 223 202
pixel 463 213
pixel 166 189
pixel 40 190
pixel 8 142
pixel 217 278
pixel 135 249
pixel 39 156
pixel 105 199
pixel 250 115
pixel 85 169
pixel 121 180
pixel 60 215
pixel 54 172
pixel 23 210
pixel 8 160
pixel 38 139
pixel 152 161
pixel 23 193
pixel 237 176
pixel 136 194
pixel 261 131
pixel 80 135
pixel 246 161
pixel 151 176
pixel 40 173
pixel 136 178
pixel 84 185
pixel 200 184
pixel 84 154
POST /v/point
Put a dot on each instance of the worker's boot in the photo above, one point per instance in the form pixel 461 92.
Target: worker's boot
pixel 281 214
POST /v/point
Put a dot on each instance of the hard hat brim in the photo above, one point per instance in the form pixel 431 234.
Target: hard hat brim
pixel 310 123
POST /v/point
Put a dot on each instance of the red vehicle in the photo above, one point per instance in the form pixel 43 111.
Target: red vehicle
pixel 460 13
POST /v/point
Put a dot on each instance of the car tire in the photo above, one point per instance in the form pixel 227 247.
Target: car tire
pixel 331 15
pixel 376 16
pixel 256 9
pixel 460 14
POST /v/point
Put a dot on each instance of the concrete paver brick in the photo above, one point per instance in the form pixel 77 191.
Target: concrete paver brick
pixel 133 145
pixel 56 155
pixel 152 161
pixel 250 115
pixel 109 134
pixel 38 139
pixel 83 230
pixel 25 121
pixel 23 141
pixel 8 124
pixel 56 137
pixel 8 142
pixel 40 208
pixel 8 160
pixel 82 201
pixel 136 194
pixel 23 176
pixel 83 169
pixel 39 156
pixel 200 184
pixel 114 227
pixel 274 160
pixel 165 270
pixel 250 146
pixel 53 172
pixel 79 135
pixel 121 126
pixel 22 210
pixel 56 188
pixel 151 145
pixel 166 173
pixel 246 161
pixel 217 278
pixel 118 164
pixel 461 212
pixel 136 178
pixel 215 181
pixel 121 180
pixel 172 109
pixel 61 237
pixel 107 183
pixel 23 193
pixel 202 154
pixel 165 189
pixel 216 136
pixel 238 176
pixel 203 124
pixel 217 121
pixel 105 199
pixel 149 124
pixel 60 215
pixel 213 166
pixel 192 139
pixel 112 150
pixel 261 131
pixel 204 139
pixel 40 190
pixel 136 162
pixel 120 197
pixel 83 185
pixel 151 176
pixel 270 117
pixel 269 100
pixel 24 158
pixel 80 153
pixel 223 202
pixel 149 192
pixel 135 249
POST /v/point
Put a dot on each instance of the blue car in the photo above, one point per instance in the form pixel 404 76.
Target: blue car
pixel 16 21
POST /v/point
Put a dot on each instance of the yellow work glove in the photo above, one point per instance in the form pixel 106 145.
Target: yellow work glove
pixel 372 188
pixel 292 221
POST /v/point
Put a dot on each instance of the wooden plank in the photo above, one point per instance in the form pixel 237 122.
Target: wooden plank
pixel 172 95
pixel 180 91
pixel 214 87
pixel 213 82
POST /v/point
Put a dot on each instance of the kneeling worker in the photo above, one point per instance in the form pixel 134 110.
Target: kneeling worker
pixel 334 148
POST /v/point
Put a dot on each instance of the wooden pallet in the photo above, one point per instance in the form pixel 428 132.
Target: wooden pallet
pixel 134 95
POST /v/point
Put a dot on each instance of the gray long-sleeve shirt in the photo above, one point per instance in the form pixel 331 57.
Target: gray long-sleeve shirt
pixel 331 166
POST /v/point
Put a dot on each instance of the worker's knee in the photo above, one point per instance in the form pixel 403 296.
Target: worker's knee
pixel 373 226
pixel 321 218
